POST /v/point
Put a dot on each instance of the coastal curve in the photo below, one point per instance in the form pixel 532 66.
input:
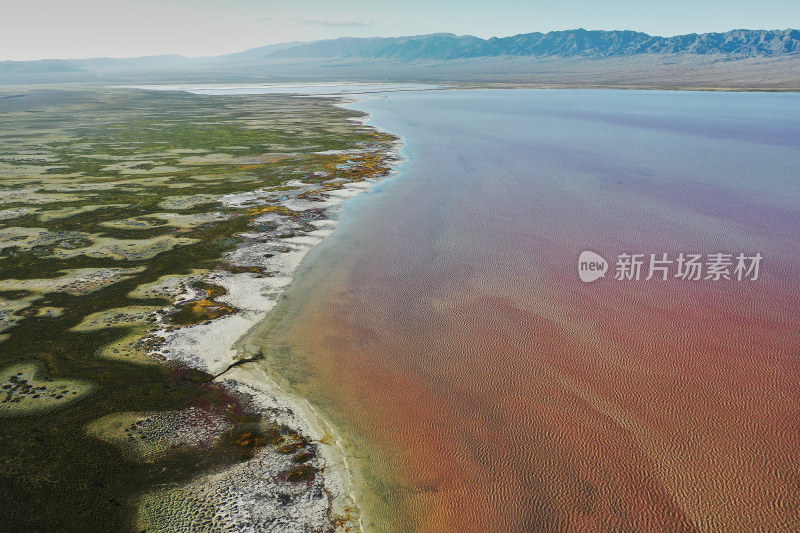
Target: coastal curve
pixel 253 495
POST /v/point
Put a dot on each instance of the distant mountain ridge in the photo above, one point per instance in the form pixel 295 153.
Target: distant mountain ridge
pixel 738 59
pixel 570 43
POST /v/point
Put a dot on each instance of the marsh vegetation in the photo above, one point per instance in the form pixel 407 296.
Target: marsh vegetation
pixel 112 212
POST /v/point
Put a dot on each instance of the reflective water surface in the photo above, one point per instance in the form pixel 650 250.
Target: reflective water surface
pixel 483 387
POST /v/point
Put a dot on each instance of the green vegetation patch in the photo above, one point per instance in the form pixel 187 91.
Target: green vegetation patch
pixel 190 221
pixel 182 510
pixel 187 201
pixel 135 347
pixel 121 317
pixel 127 249
pixel 166 287
pixel 66 212
pixel 110 206
pixel 24 391
pixel 77 281
pixel 140 223
pixel 150 435
pixel 11 310
pixel 8 214
pixel 32 196
pixel 49 312
pixel 24 239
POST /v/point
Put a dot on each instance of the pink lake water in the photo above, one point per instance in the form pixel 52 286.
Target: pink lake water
pixel 481 386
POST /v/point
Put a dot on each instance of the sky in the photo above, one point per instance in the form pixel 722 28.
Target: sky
pixel 39 29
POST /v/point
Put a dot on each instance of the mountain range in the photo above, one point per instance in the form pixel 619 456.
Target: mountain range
pixel 760 59
pixel 582 43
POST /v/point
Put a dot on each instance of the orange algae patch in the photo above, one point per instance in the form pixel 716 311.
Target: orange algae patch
pixel 200 311
pixel 281 210
pixel 357 167
pixel 204 309
pixel 300 473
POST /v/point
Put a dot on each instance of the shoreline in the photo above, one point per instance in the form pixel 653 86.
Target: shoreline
pixel 260 376
pixel 387 368
pixel 228 352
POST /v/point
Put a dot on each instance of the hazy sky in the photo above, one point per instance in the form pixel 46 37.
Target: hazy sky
pixel 35 29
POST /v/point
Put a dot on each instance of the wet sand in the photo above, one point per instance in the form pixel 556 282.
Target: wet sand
pixel 483 387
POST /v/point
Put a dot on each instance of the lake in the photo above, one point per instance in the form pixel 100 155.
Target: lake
pixel 482 386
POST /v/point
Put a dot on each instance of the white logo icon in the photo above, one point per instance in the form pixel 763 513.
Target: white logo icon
pixel 591 266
